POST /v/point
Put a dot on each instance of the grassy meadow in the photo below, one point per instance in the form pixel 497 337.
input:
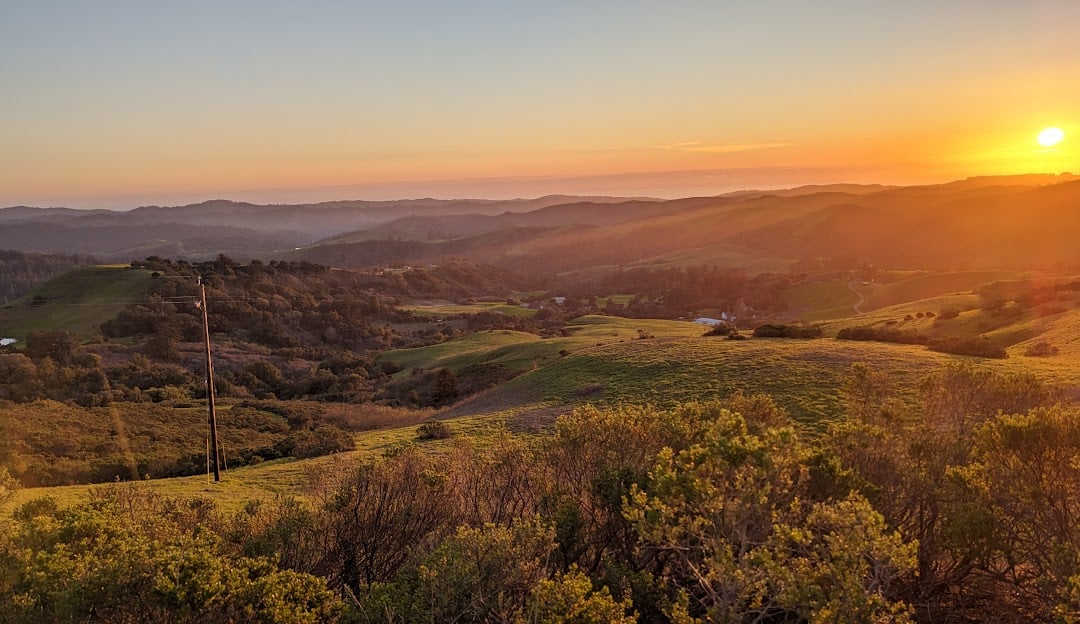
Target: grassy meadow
pixel 79 301
pixel 445 308
pixel 521 351
pixel 605 360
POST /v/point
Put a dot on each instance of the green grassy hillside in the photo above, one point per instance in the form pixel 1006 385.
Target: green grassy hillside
pixel 804 376
pixel 520 351
pixel 479 347
pixel 603 360
pixel 443 308
pixel 78 301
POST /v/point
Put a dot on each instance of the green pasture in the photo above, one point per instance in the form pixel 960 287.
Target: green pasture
pixel 79 301
pixel 441 309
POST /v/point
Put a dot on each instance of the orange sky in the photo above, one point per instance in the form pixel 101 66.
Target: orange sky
pixel 126 104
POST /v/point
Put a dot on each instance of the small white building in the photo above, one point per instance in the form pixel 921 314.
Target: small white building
pixel 704 320
pixel 7 341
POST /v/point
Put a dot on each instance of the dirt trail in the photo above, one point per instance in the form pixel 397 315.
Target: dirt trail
pixel 862 299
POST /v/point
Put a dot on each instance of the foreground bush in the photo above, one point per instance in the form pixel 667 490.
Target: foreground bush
pixel 127 556
pixel 984 478
pixel 735 517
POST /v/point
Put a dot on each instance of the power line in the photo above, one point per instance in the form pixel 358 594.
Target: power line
pixel 187 299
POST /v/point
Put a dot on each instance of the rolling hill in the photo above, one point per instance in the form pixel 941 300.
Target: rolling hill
pixel 78 301
pixel 991 223
pixel 1016 223
pixel 235 228
pixel 605 360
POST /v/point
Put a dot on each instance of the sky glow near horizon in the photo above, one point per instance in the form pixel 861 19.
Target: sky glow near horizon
pixel 121 103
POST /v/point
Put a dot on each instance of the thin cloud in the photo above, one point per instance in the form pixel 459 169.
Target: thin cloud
pixel 698 146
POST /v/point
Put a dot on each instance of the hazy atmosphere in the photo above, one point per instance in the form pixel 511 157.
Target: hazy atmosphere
pixel 117 104
pixel 593 312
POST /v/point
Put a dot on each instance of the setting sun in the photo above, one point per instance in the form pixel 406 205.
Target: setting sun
pixel 1051 137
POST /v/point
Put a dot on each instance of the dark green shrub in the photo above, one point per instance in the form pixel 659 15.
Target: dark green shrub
pixel 322 440
pixel 978 347
pixel 433 429
pixel 769 330
pixel 1041 349
pixel 881 334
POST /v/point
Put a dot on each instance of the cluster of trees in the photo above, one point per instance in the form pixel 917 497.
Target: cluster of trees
pixel 679 291
pixel 452 280
pixel 54 365
pixel 964 509
pixel 20 272
pixel 771 330
pixel 976 346
pixel 279 305
pixel 278 314
pixel 882 334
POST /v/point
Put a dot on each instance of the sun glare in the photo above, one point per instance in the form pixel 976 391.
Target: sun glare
pixel 1051 137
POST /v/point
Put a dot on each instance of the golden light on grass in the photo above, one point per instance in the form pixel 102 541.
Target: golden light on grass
pixel 1050 137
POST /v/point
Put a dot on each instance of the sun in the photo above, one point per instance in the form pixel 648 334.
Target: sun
pixel 1051 137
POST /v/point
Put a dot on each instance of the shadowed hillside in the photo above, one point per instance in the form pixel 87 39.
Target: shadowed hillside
pixel 237 228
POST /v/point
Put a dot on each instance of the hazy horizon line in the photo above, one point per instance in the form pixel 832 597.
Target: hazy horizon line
pixel 659 185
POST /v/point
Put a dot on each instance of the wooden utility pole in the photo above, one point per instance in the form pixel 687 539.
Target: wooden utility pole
pixel 210 386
